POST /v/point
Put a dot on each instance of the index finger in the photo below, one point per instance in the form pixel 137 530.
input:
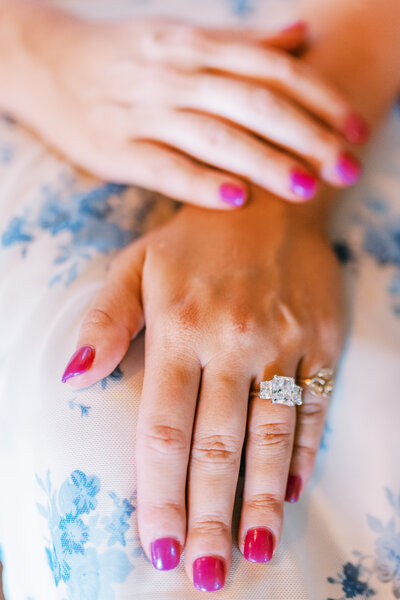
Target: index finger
pixel 164 431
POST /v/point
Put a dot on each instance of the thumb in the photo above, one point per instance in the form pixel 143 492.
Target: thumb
pixel 114 318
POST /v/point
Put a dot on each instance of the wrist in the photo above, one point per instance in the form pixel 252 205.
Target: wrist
pixel 26 28
pixel 14 59
pixel 265 212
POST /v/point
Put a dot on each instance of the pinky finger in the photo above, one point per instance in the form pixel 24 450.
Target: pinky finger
pixel 173 174
pixel 310 425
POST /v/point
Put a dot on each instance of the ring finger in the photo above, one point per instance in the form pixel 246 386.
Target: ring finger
pixel 269 444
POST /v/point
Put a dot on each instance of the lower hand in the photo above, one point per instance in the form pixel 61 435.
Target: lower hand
pixel 228 300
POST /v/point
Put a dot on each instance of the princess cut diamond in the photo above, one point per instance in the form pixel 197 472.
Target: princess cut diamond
pixel 281 390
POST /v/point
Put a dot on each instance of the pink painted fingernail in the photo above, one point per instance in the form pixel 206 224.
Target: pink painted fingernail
pixel 208 574
pixel 356 129
pixel 294 26
pixel 165 554
pixel 79 363
pixel 348 168
pixel 293 488
pixel 259 545
pixel 303 184
pixel 232 194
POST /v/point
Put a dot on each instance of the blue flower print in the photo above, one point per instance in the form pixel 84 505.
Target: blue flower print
pixel 352 586
pixel 241 7
pixel 74 534
pixel 16 232
pixel 387 560
pixel 116 375
pixel 81 491
pixel 118 525
pixel 385 565
pixel 85 576
pixel 57 563
pixel 380 231
pixel 351 583
pixel 102 219
pixel 84 410
pixel 79 553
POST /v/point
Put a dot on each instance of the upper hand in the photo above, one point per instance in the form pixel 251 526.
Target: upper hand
pixel 228 300
pixel 186 111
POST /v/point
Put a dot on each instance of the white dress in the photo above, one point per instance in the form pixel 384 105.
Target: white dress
pixel 67 459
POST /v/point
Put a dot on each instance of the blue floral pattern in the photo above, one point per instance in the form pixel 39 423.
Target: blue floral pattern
pixel 241 7
pixel 87 555
pixel 384 565
pixel 87 222
pixel 380 228
pixel 84 409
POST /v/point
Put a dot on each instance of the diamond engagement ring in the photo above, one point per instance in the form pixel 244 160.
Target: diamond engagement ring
pixel 321 384
pixel 281 390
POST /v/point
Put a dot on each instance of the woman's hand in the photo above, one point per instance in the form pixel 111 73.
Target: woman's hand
pixel 228 300
pixel 189 112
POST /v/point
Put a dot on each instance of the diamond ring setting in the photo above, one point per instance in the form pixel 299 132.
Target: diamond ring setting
pixel 281 390
pixel 322 383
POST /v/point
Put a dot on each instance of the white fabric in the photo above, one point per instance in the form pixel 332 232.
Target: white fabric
pixel 67 462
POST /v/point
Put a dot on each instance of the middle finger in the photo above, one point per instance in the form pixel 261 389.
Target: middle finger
pixel 275 118
pixel 213 473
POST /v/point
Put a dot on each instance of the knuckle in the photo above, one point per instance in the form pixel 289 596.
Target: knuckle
pixel 160 167
pixel 270 435
pixel 215 135
pixel 304 452
pixel 164 439
pixel 240 328
pixel 177 37
pixel 216 449
pixel 312 411
pixel 210 527
pixel 266 503
pixel 288 323
pixel 262 102
pixel 150 511
pixel 98 318
pixel 185 314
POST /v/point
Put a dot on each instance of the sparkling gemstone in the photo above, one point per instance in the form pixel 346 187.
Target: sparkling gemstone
pixel 281 390
pixel 322 384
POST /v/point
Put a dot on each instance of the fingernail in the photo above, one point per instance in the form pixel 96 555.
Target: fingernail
pixel 348 168
pixel 259 545
pixel 208 574
pixel 293 488
pixel 356 129
pixel 79 363
pixel 303 184
pixel 165 554
pixel 294 26
pixel 232 194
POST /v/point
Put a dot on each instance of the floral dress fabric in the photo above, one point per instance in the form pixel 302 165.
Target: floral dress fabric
pixel 67 458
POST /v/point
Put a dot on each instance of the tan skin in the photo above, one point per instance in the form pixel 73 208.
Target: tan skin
pixel 229 299
pixel 239 302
